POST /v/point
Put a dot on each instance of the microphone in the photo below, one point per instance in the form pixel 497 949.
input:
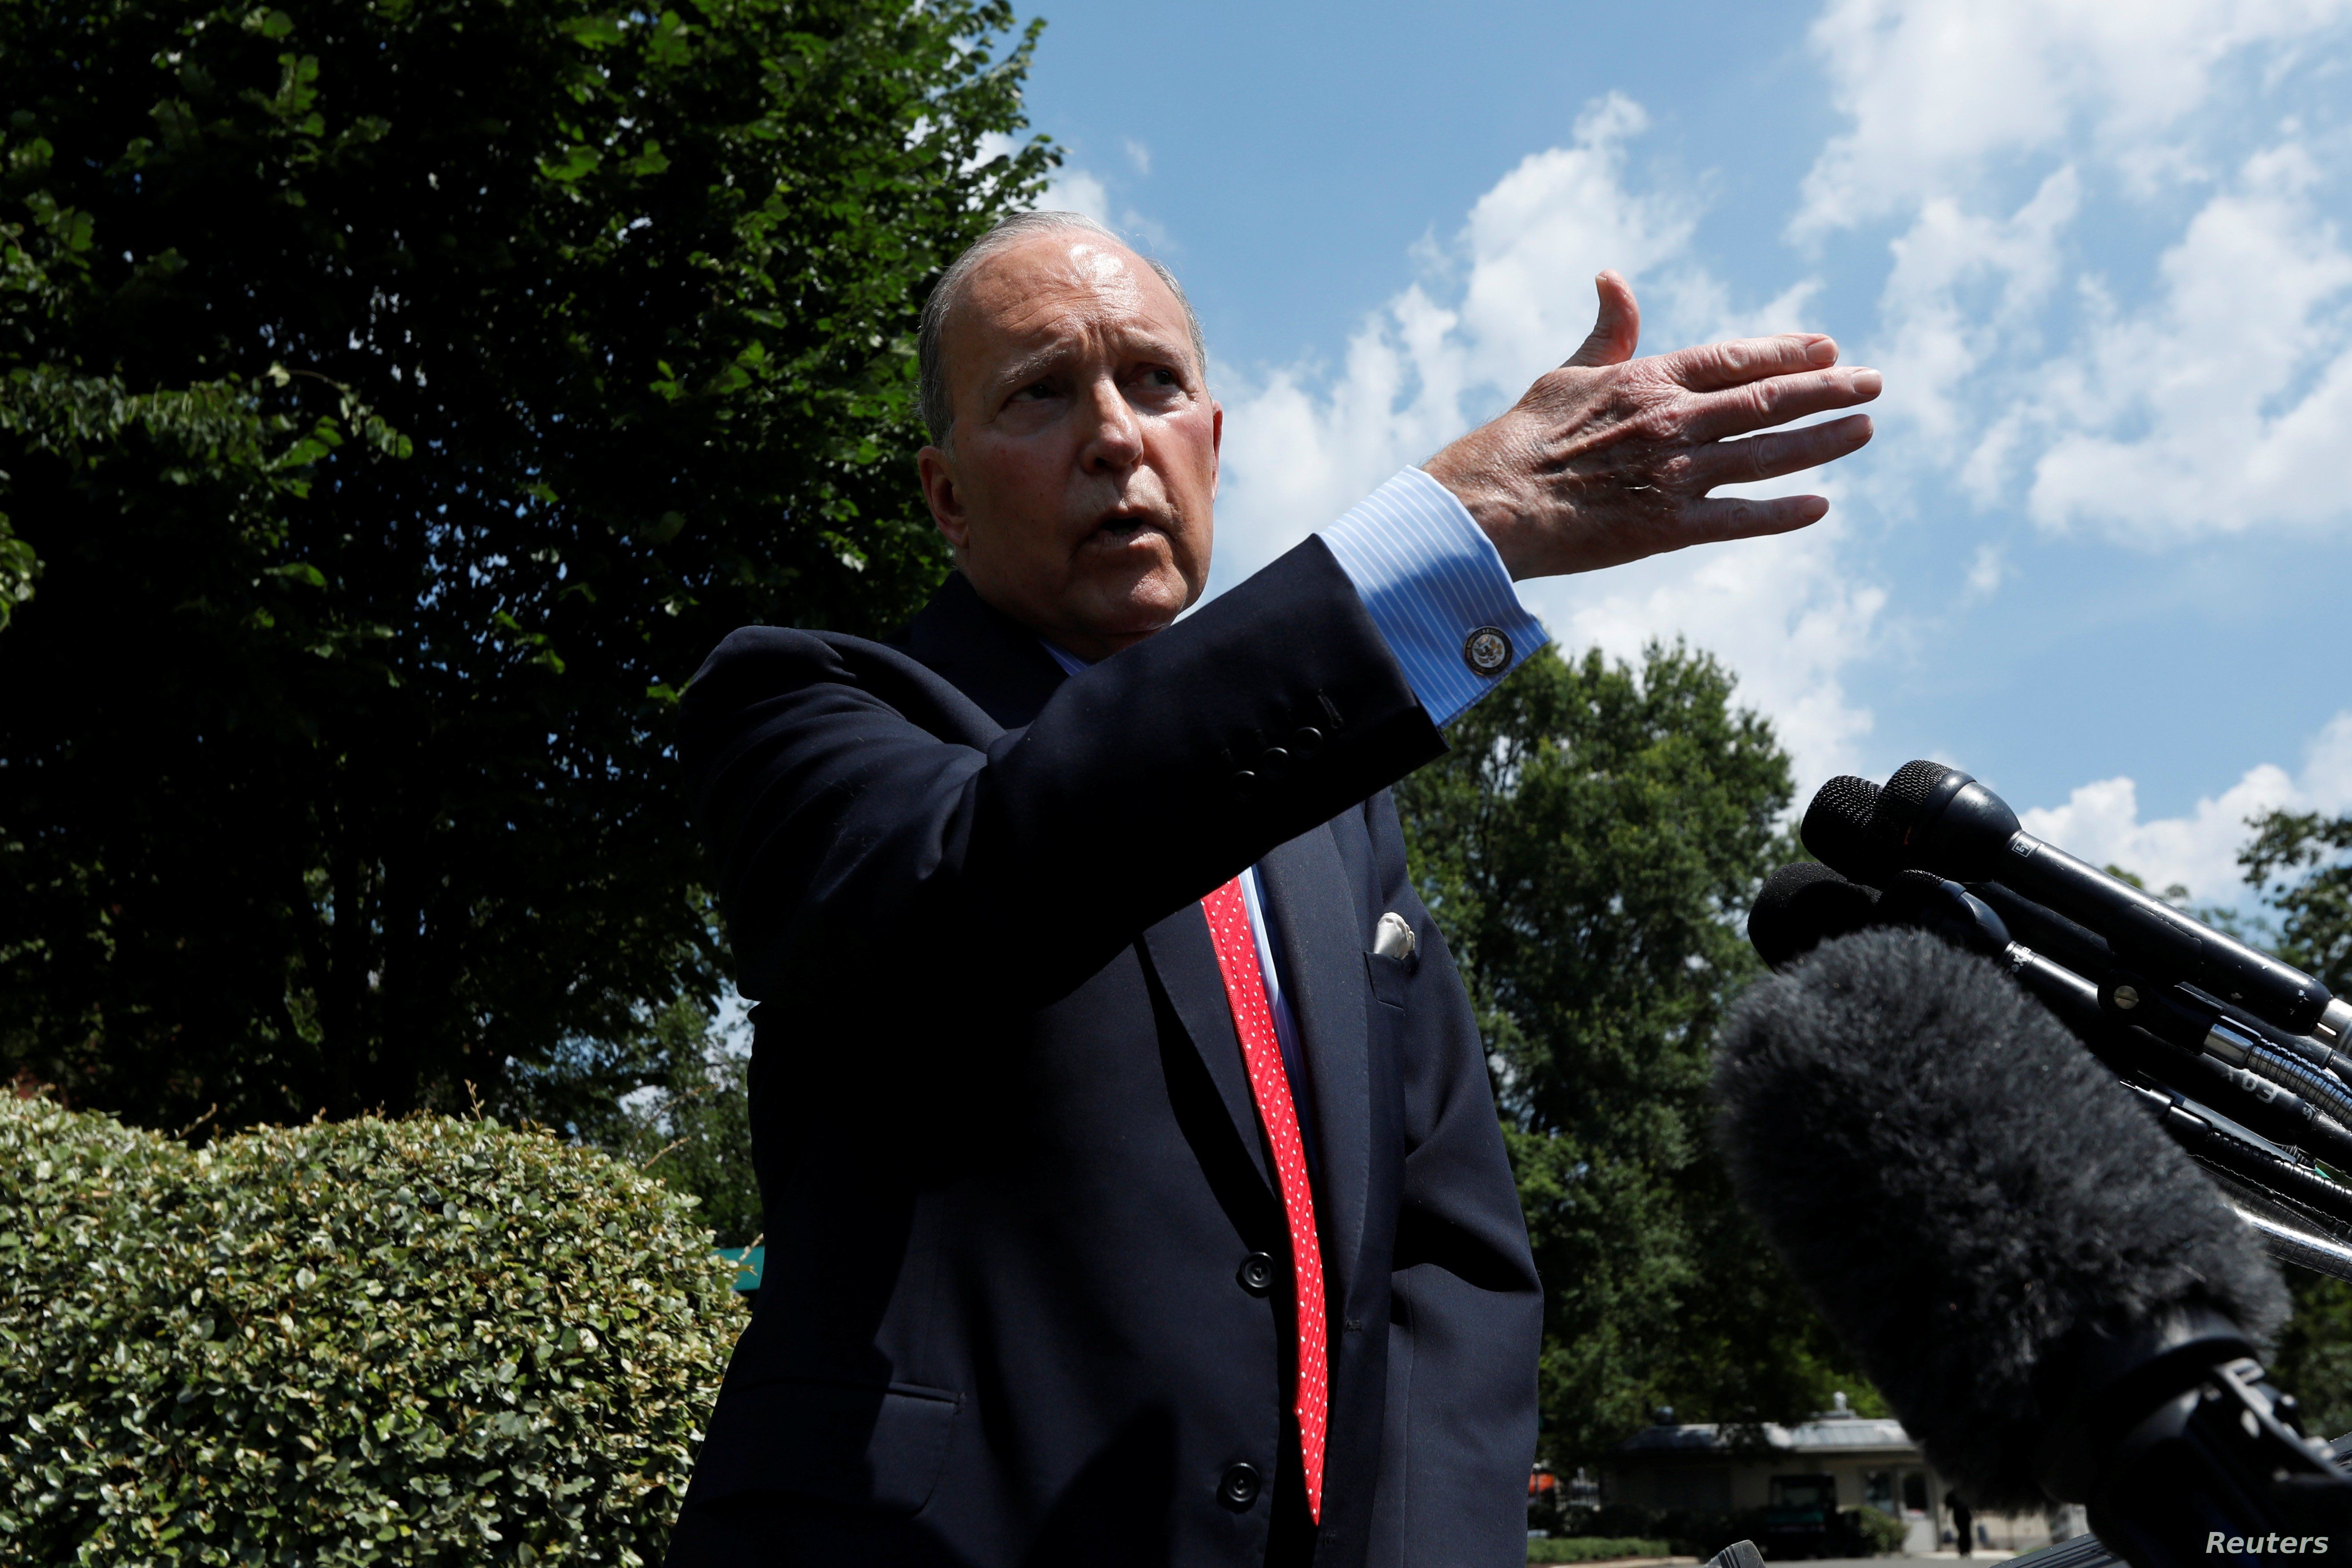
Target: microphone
pixel 1934 817
pixel 1803 904
pixel 2052 1296
pixel 2269 1093
pixel 1836 829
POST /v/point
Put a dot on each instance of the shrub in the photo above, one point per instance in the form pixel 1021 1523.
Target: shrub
pixel 1688 1532
pixel 1880 1532
pixel 1593 1549
pixel 429 1340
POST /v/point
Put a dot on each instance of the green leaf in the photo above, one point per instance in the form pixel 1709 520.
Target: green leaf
pixel 595 32
pixel 246 1427
pixel 648 163
pixel 576 163
pixel 669 46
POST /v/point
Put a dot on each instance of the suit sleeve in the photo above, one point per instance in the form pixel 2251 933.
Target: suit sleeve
pixel 861 855
pixel 1466 1322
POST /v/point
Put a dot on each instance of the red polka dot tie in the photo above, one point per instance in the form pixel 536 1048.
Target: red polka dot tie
pixel 1262 1054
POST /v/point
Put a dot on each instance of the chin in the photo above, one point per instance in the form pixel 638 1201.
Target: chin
pixel 1139 609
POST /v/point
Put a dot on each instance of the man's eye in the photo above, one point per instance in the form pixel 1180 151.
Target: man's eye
pixel 1036 391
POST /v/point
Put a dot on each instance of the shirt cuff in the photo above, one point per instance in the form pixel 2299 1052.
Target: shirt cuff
pixel 1436 589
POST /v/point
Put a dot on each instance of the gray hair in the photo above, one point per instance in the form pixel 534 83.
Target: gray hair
pixel 931 395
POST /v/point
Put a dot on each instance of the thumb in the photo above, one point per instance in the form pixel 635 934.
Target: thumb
pixel 1618 327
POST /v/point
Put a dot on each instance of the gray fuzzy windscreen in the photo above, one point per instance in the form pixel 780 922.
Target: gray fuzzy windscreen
pixel 1957 1184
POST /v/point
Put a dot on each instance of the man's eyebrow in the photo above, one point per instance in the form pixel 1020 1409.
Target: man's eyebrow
pixel 1016 372
pixel 1019 372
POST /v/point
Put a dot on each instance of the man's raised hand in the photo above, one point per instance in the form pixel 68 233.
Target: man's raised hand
pixel 1610 459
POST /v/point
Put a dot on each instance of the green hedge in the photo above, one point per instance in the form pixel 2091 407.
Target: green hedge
pixel 1881 1533
pixel 1593 1549
pixel 420 1342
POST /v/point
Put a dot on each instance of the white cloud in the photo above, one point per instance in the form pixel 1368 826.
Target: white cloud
pixel 1303 443
pixel 1510 298
pixel 1783 614
pixel 1076 191
pixel 1987 572
pixel 2226 402
pixel 2024 357
pixel 1962 288
pixel 1938 90
pixel 2101 823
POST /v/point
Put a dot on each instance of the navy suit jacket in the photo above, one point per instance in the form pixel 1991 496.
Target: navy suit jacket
pixel 1005 1141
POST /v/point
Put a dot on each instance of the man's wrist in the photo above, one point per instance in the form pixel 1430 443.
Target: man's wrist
pixel 1437 589
pixel 1479 482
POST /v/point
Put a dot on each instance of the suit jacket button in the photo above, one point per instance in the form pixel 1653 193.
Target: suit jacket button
pixel 1306 743
pixel 1275 763
pixel 1244 785
pixel 1257 1274
pixel 1240 1487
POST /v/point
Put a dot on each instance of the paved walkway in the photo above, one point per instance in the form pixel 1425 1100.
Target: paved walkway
pixel 1983 1555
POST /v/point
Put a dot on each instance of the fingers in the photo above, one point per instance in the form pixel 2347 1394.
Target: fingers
pixel 1743 360
pixel 1714 520
pixel 1770 456
pixel 1713 415
pixel 1617 328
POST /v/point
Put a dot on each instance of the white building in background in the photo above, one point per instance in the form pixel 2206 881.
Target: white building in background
pixel 1868 1460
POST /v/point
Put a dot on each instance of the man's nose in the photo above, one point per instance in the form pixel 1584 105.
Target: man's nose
pixel 1115 438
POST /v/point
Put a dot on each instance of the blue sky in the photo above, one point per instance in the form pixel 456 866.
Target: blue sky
pixel 2097 552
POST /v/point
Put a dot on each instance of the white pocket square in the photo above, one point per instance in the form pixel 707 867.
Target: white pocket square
pixel 1394 938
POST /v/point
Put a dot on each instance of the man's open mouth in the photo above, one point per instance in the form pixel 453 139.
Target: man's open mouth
pixel 1120 526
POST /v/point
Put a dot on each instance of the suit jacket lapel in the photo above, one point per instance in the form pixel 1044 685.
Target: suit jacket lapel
pixel 1184 956
pixel 1323 975
pixel 1000 665
pixel 1003 669
pixel 1306 897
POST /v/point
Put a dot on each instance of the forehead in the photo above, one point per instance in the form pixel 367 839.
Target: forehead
pixel 1058 288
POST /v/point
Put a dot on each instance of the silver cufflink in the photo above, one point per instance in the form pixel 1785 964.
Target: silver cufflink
pixel 1394 938
pixel 1486 651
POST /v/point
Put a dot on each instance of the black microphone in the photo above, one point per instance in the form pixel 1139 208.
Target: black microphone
pixel 1801 905
pixel 1857 828
pixel 1937 818
pixel 2277 1097
pixel 2053 1297
pixel 1836 829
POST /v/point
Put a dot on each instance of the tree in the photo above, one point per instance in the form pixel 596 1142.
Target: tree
pixel 673 1099
pixel 400 400
pixel 1590 846
pixel 2296 861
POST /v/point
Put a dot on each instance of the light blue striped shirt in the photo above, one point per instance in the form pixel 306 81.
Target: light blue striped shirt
pixel 1430 579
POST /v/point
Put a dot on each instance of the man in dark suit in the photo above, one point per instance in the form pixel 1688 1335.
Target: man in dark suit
pixel 1134 1189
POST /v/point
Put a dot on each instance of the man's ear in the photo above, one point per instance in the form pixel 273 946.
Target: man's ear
pixel 1216 445
pixel 936 468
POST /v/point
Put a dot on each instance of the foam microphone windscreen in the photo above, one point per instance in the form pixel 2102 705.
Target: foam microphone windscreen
pixel 1802 906
pixel 1959 1188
